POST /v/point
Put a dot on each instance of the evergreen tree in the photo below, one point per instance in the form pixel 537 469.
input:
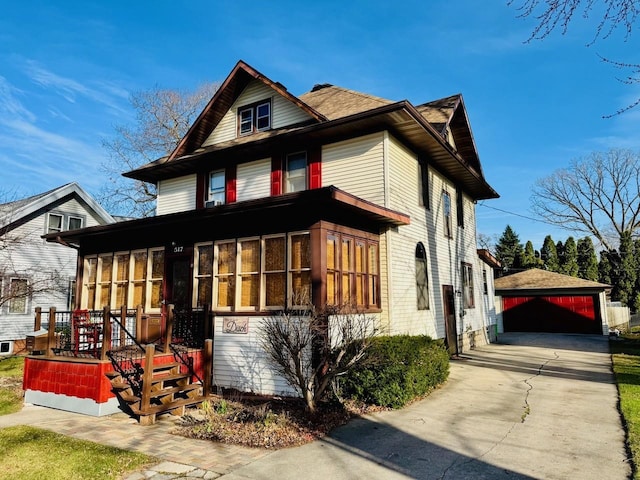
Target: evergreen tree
pixel 628 270
pixel 529 259
pixel 560 255
pixel 587 260
pixel 549 255
pixel 570 258
pixel 608 268
pixel 509 249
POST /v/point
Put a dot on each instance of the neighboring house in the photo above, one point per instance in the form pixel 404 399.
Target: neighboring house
pixel 34 272
pixel 537 300
pixel 334 195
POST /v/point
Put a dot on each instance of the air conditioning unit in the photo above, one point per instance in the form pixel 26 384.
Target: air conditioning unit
pixel 212 203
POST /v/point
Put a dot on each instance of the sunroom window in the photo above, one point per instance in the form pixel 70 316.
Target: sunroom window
pixel 124 279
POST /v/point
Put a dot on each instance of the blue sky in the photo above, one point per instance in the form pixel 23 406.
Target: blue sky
pixel 67 69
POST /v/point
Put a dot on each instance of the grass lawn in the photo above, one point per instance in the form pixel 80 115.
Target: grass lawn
pixel 11 369
pixel 626 366
pixel 28 453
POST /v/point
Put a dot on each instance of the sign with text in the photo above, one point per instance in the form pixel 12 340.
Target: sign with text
pixel 235 325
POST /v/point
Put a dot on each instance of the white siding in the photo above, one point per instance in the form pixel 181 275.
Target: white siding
pixel 239 362
pixel 254 180
pixel 29 256
pixel 356 166
pixel 283 112
pixel 176 195
pixel 403 178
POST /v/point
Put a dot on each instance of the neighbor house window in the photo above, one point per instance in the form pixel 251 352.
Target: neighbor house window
pixel 275 271
pixel 296 172
pixel 71 297
pixel 254 118
pixel 467 286
pixel 18 293
pixel 54 223
pixel 74 223
pixel 217 187
pixel 422 281
pixel 128 279
pixel 6 347
pixel 352 271
pixel 446 209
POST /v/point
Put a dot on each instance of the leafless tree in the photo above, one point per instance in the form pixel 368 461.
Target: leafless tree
pixel 598 195
pixel 162 118
pixel 312 349
pixel 613 14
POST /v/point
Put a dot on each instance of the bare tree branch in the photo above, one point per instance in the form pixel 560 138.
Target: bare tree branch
pixel 162 118
pixel 597 195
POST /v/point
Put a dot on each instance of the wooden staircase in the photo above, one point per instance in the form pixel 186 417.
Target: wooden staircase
pixel 161 389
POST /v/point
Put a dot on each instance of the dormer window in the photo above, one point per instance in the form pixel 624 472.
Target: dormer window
pixel 254 118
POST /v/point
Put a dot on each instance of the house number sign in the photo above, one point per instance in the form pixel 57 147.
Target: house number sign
pixel 235 325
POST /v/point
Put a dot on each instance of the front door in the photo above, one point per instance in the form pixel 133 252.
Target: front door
pixel 451 331
pixel 179 282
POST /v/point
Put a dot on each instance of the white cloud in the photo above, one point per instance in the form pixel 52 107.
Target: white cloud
pixel 9 103
pixel 71 89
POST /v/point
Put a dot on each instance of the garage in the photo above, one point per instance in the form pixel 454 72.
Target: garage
pixel 540 301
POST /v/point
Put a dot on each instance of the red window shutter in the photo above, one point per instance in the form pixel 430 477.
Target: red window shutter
pixel 315 169
pixel 230 187
pixel 276 175
pixel 201 189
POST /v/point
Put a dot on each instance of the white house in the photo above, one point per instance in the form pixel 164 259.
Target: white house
pixel 346 197
pixel 34 272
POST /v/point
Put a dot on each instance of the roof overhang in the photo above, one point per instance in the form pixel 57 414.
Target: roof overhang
pixel 401 119
pixel 239 219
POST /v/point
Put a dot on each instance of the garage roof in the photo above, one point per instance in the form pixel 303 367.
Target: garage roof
pixel 538 281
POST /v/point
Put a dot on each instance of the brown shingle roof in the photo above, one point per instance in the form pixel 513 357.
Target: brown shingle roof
pixel 537 279
pixel 439 112
pixel 337 102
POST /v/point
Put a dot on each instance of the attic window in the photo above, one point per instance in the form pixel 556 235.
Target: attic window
pixel 254 118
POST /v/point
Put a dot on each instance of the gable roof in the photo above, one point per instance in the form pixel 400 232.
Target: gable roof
pixel 543 280
pixel 335 113
pixel 222 100
pixel 12 212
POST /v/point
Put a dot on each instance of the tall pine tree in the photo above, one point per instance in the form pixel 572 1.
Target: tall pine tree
pixel 570 258
pixel 509 249
pixel 529 259
pixel 549 255
pixel 587 260
pixel 628 270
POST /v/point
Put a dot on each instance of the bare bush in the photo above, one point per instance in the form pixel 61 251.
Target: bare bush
pixel 310 349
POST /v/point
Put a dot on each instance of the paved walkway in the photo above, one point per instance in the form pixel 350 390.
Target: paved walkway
pixel 533 406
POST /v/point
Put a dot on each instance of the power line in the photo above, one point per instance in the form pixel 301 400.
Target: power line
pixel 482 204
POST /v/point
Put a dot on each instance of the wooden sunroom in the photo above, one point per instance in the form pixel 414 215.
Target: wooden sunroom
pixel 179 280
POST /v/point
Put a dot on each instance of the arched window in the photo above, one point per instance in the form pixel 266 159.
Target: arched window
pixel 422 281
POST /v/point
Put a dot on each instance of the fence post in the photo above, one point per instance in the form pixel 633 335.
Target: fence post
pixel 38 320
pixel 208 366
pixel 51 337
pixel 169 329
pixel 208 319
pixel 147 376
pixel 106 333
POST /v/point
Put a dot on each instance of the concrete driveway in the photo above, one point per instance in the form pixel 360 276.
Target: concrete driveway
pixel 540 406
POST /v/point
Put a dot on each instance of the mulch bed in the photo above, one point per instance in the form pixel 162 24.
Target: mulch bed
pixel 264 422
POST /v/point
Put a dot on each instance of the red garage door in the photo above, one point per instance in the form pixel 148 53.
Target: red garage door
pixel 559 314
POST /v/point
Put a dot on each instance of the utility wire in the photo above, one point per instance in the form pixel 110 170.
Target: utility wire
pixel 482 204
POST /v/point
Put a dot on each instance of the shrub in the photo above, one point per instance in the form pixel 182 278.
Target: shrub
pixel 398 369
